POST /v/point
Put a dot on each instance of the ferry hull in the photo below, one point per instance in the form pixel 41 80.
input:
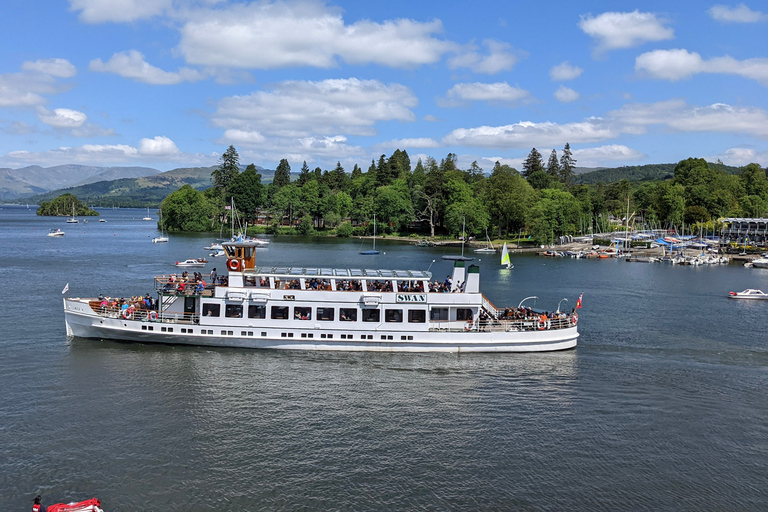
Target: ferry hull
pixel 82 322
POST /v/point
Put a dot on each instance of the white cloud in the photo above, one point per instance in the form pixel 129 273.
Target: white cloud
pixel 676 115
pixel 678 64
pixel 61 68
pixel 99 11
pixel 131 64
pixel 267 35
pixel 27 89
pixel 564 71
pixel 614 30
pixel 408 143
pixel 499 58
pixel 527 134
pixel 591 157
pixel 497 92
pixel 62 118
pixel 158 146
pixel 741 156
pixel 432 119
pixel 739 14
pixel 243 137
pixel 566 95
pixel 328 107
pixel 151 152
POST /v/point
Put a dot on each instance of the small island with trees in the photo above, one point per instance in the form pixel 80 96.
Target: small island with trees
pixel 62 206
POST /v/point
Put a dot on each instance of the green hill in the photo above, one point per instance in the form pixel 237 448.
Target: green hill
pixel 636 173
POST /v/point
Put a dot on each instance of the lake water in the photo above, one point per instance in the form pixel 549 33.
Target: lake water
pixel 662 406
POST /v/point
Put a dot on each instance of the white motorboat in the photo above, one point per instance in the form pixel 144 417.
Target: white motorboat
pixel 56 233
pixel 761 262
pixel 324 309
pixel 192 262
pixel 749 293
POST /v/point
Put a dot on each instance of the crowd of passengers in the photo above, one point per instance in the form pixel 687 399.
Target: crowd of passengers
pixel 186 283
pixel 118 303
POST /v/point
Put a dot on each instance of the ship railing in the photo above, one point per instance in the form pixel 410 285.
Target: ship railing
pixel 490 308
pixel 147 315
pixel 529 324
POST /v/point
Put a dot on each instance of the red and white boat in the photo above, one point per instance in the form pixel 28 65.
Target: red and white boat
pixel 749 293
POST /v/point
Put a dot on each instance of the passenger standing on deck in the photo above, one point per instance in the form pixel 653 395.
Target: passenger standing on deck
pixel 37 506
pixel 213 276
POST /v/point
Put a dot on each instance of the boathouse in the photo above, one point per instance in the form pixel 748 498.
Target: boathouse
pixel 738 230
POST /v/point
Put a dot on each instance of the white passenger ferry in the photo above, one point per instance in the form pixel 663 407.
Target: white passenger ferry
pixel 322 309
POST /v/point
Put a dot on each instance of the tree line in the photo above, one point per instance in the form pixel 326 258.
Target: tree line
pixel 436 198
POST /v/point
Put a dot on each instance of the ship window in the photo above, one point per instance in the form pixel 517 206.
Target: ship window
pixel 463 314
pixel 255 311
pixel 325 314
pixel 300 313
pixel 371 315
pixel 348 315
pixel 417 316
pixel 280 312
pixel 410 286
pixel 211 309
pixel 438 314
pixel 233 311
pixel 393 315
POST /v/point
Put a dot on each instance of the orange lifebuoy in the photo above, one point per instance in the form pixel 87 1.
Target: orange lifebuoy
pixel 468 325
pixel 152 316
pixel 575 318
pixel 128 313
pixel 233 265
pixel 542 325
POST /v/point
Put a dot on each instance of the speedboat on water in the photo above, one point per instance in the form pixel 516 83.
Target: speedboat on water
pixel 56 232
pixel 312 308
pixel 192 262
pixel 749 293
pixel 761 262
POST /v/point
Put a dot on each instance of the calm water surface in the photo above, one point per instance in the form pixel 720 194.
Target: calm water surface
pixel 662 406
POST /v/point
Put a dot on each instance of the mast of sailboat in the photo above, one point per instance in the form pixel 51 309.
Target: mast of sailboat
pixel 463 234
pixel 374 231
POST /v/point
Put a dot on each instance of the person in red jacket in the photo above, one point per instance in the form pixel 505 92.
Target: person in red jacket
pixel 37 506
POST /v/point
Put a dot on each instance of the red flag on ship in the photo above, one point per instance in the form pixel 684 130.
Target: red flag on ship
pixel 578 302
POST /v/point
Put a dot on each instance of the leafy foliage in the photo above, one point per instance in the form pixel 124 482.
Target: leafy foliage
pixel 62 207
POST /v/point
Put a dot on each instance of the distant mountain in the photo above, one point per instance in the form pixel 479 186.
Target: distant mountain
pixel 27 181
pixel 147 191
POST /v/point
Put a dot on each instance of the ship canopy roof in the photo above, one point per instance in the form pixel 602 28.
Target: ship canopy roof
pixel 348 273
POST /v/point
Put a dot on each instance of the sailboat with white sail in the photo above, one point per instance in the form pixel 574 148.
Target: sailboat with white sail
pixel 372 251
pixel 505 260
pixel 454 257
pixel 73 219
pixel 163 238
pixel 489 248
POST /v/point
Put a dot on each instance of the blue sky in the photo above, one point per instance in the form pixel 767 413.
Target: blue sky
pixel 172 83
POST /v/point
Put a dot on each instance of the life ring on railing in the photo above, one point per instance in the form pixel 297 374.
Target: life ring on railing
pixel 153 316
pixel 128 313
pixel 233 265
pixel 468 325
pixel 575 318
pixel 542 325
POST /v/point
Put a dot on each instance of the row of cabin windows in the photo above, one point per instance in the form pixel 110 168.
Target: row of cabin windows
pixel 320 283
pixel 329 314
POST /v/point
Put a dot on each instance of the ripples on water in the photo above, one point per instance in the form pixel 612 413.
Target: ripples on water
pixel 660 407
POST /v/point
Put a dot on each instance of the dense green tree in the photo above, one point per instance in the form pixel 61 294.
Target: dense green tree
pixel 337 178
pixel 567 164
pixel 286 202
pixel 63 206
pixel 540 179
pixel 553 166
pixel 465 209
pixel 508 197
pixel 304 175
pixel 533 163
pixel 393 206
pixel 694 171
pixel 282 174
pixel 187 209
pixel 247 192
pixel 227 170
pixel 754 180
